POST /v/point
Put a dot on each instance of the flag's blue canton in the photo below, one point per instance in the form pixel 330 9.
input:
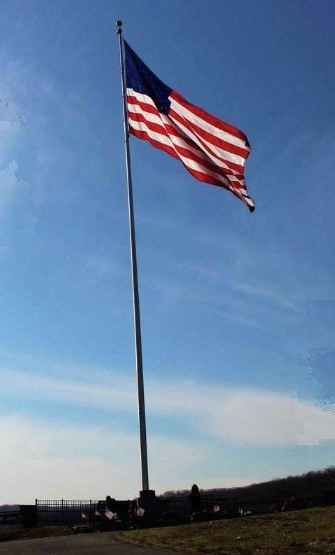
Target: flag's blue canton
pixel 140 78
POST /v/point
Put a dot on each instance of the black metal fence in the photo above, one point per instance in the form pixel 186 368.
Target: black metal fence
pixel 63 511
pixel 178 505
pixel 67 511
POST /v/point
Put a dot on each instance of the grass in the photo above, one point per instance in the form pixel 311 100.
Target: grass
pixel 308 532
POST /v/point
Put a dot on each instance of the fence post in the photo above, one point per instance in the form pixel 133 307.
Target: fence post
pixel 62 511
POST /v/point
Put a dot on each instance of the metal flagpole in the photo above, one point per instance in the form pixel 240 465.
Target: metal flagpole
pixel 136 303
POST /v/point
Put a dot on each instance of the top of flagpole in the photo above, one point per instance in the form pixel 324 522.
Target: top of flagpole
pixel 119 27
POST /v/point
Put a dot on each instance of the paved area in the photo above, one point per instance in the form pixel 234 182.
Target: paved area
pixel 81 544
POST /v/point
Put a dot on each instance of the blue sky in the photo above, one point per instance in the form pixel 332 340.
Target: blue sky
pixel 237 308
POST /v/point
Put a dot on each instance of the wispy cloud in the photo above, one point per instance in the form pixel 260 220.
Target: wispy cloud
pixel 254 417
pixel 261 283
pixel 240 416
pixel 269 295
pixel 116 394
pixel 246 304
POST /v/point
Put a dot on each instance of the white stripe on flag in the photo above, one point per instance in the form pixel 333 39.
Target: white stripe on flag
pixel 210 148
pixel 216 131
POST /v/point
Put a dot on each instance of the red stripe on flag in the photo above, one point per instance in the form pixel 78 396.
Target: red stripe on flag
pixel 199 175
pixel 215 141
pixel 210 137
pixel 210 119
pixel 144 105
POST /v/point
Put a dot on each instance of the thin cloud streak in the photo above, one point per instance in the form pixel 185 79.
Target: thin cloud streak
pixel 245 416
pixel 34 386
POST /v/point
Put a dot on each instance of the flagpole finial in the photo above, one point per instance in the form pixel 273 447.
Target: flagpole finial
pixel 119 26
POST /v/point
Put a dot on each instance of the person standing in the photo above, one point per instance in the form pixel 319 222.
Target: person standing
pixel 196 504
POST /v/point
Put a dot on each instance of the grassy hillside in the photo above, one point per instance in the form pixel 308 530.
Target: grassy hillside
pixel 312 485
pixel 309 531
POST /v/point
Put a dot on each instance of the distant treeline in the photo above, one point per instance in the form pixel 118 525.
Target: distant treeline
pixel 312 485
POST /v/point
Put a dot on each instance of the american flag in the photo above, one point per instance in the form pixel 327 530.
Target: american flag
pixel 110 515
pixel 211 150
